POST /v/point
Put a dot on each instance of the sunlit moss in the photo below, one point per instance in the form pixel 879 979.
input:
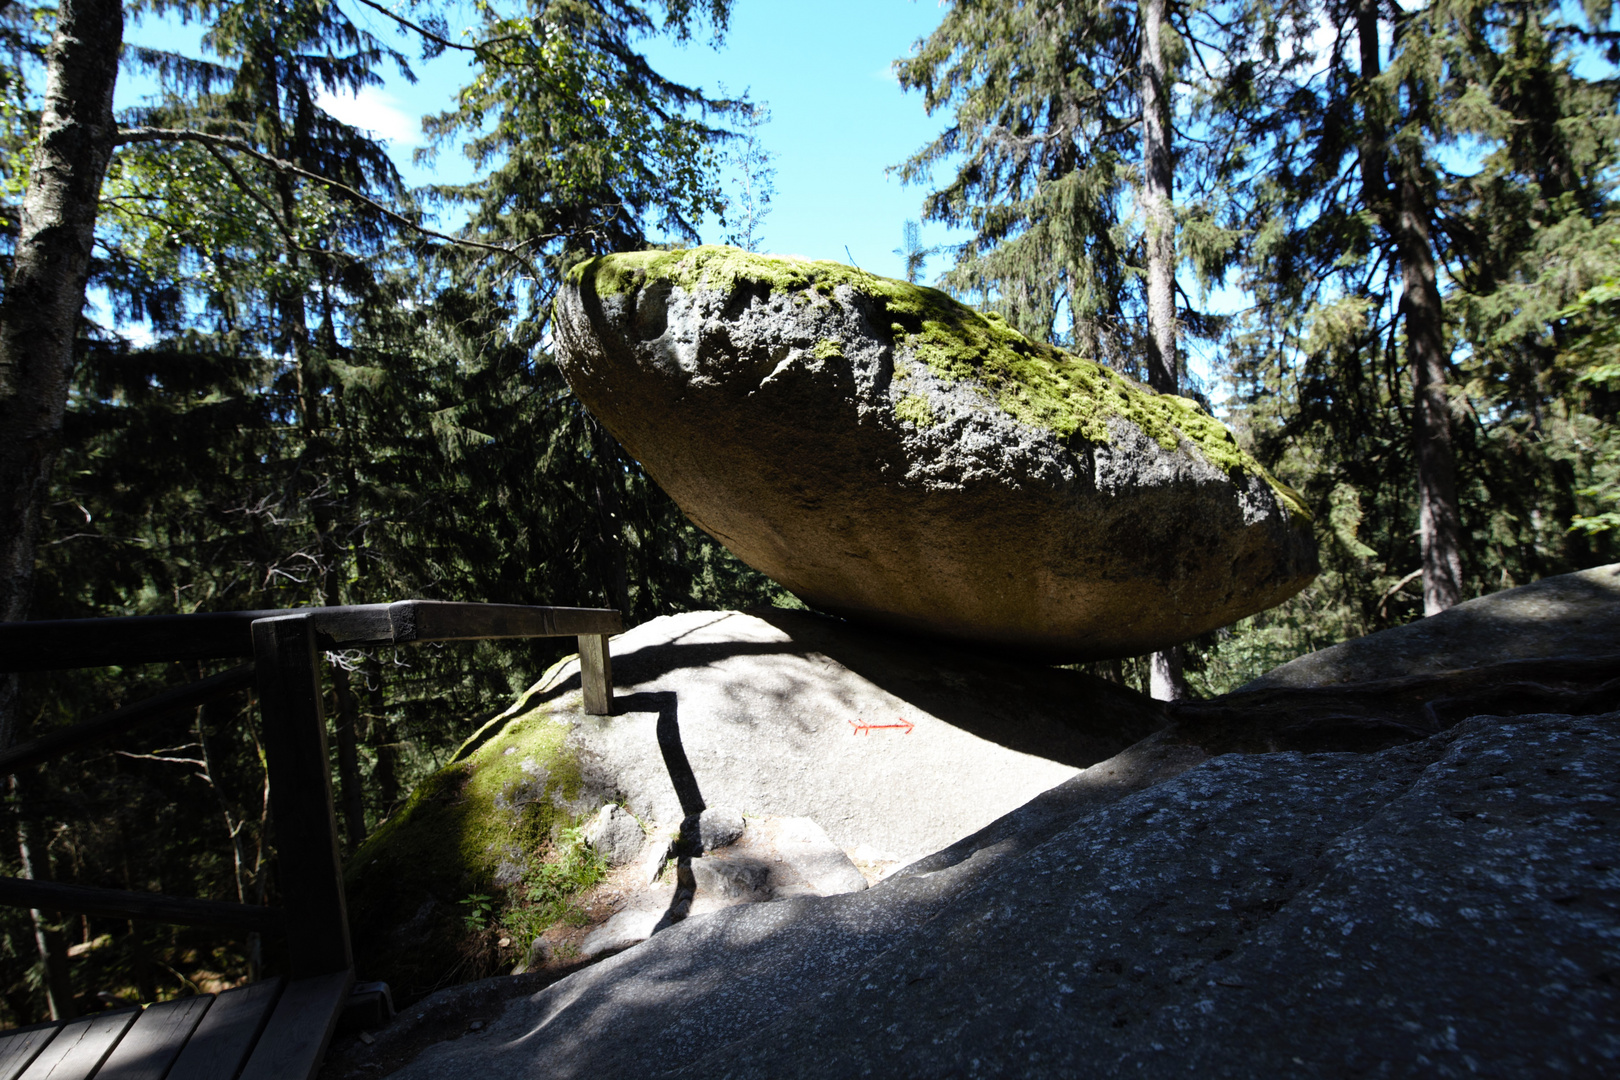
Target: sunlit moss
pixel 914 407
pixel 1037 384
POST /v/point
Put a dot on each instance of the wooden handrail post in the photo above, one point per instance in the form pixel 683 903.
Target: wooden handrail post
pixel 596 674
pixel 311 867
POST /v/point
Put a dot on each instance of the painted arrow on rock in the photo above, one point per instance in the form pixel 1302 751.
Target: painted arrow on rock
pixel 863 728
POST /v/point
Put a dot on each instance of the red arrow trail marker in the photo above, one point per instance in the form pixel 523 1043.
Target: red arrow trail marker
pixel 863 728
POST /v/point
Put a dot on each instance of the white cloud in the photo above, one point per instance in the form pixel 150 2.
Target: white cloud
pixel 373 110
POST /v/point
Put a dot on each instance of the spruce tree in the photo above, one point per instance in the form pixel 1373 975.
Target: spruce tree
pixel 1358 215
pixel 1051 103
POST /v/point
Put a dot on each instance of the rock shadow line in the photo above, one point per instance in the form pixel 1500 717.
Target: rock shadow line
pixel 684 780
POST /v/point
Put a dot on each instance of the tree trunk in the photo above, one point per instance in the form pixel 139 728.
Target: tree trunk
pixel 1439 522
pixel 1167 678
pixel 38 326
pixel 39 320
pixel 1403 212
pixel 348 740
pixel 385 774
pixel 1164 370
pixel 48 942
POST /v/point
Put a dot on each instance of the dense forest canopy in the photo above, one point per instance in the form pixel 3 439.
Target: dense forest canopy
pixel 334 399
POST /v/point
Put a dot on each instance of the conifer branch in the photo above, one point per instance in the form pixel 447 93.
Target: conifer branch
pixel 252 192
pixel 442 42
pixel 130 136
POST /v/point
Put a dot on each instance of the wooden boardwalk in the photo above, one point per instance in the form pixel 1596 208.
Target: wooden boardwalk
pixel 269 1030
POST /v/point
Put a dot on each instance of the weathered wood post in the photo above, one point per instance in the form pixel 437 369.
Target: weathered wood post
pixel 311 868
pixel 596 674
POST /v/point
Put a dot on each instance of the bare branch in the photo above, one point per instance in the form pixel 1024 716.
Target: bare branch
pixel 130 136
pixel 443 43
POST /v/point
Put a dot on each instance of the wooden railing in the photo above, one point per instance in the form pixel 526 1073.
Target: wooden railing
pixel 285 649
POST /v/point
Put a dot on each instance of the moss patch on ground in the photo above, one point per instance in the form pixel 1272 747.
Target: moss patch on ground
pixel 485 849
pixel 1037 384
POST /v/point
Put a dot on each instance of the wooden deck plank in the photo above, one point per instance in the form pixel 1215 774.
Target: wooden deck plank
pixel 19 1048
pixel 155 1039
pixel 80 1046
pixel 224 1038
pixel 295 1040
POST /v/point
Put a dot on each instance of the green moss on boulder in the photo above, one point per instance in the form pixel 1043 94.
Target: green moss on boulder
pixel 480 826
pixel 1039 385
pixel 915 408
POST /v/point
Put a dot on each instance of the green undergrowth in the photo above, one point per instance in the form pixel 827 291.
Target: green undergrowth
pixel 488 846
pixel 1037 384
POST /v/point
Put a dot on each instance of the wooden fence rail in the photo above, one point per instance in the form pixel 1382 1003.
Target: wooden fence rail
pixel 285 648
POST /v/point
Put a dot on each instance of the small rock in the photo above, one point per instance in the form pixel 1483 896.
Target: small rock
pixel 615 834
pixel 625 929
pixel 719 826
pixel 734 878
pixel 476 1025
pixel 367 1037
pixel 822 867
pixel 653 857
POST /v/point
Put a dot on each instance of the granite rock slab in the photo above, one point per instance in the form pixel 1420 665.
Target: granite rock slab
pixel 1446 907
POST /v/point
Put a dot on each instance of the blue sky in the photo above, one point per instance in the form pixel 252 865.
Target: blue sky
pixel 838 117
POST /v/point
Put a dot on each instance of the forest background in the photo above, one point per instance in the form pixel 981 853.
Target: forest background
pixel 1389 226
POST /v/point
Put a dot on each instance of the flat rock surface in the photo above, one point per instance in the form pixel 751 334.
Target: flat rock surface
pixel 771 859
pixel 1449 907
pixel 900 746
pixel 1570 615
pixel 892 456
pixel 895 748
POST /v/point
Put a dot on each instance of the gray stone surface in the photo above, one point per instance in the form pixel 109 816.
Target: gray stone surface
pixel 1571 615
pixel 771 859
pixel 731 879
pixel 1009 494
pixel 803 860
pixel 630 927
pixel 719 826
pixel 761 712
pixel 615 834
pixel 1446 908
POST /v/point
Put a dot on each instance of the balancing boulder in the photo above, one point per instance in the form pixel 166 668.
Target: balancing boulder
pixel 892 456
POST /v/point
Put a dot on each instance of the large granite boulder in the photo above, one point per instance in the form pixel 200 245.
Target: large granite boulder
pixel 769 713
pixel 890 455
